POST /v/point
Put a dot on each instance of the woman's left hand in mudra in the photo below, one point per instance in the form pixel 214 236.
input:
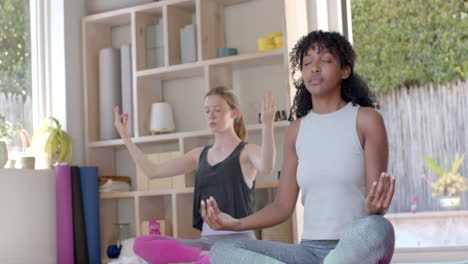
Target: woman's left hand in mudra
pixel 216 219
pixel 380 195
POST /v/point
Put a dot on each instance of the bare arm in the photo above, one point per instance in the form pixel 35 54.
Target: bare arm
pixel 263 158
pixel 275 213
pixel 176 166
pixel 379 184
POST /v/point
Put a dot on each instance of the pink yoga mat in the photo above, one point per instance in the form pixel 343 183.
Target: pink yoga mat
pixel 64 215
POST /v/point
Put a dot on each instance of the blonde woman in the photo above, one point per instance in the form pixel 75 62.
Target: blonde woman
pixel 225 170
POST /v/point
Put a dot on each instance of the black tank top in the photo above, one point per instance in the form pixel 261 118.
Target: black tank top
pixel 225 182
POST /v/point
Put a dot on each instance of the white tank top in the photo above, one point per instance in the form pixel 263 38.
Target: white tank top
pixel 330 172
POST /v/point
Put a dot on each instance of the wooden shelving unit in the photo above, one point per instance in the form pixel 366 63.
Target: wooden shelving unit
pixel 213 18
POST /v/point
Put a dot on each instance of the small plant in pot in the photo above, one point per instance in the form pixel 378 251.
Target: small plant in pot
pixel 449 183
pixel 6 133
pixel 53 143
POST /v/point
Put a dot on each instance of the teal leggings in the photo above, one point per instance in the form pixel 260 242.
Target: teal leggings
pixel 370 240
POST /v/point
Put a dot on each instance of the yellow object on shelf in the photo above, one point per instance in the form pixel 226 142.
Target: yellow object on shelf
pixel 273 41
pixel 265 44
pixel 278 41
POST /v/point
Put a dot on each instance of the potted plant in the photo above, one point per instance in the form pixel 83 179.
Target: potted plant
pixel 6 133
pixel 449 183
pixel 53 143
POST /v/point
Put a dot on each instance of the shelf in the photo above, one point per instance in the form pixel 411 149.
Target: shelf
pixel 188 190
pixel 232 2
pixel 156 192
pixel 113 18
pixel 174 136
pixel 196 68
pixel 121 16
pixel 117 195
pixel 250 60
pixel 173 72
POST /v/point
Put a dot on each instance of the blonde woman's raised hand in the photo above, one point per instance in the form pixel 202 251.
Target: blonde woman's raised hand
pixel 121 122
pixel 268 108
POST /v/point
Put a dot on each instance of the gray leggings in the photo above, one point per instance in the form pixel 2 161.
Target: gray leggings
pixel 206 242
pixel 370 240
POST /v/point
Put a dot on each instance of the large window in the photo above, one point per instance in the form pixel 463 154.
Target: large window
pixel 16 119
pixel 413 55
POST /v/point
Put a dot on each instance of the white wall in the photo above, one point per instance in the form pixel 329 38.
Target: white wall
pixel 121 35
pixel 186 97
pixel 332 15
pixel 74 11
pixel 66 70
pixel 252 83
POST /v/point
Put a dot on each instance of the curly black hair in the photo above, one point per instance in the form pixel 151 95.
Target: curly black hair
pixel 353 89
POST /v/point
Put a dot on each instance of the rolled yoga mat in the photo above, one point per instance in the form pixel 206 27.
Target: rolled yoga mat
pixel 64 217
pixel 89 182
pixel 110 91
pixel 127 98
pixel 27 222
pixel 79 234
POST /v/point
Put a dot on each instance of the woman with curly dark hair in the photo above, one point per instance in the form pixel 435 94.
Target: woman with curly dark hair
pixel 336 153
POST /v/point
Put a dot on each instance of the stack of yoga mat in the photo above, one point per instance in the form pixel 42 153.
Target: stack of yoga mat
pixel 77 200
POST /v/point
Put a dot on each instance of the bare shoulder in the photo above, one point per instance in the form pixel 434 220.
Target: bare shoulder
pixel 369 118
pixel 194 154
pixel 250 147
pixel 250 152
pixel 370 122
pixel 196 151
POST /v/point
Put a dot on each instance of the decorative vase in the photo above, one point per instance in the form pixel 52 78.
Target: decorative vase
pixel 3 154
pixel 450 202
pixel 162 120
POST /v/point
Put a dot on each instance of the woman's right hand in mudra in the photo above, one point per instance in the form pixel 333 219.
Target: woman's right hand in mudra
pixel 121 122
pixel 216 219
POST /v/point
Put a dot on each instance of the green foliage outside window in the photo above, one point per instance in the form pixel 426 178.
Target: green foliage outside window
pixel 15 57
pixel 410 42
